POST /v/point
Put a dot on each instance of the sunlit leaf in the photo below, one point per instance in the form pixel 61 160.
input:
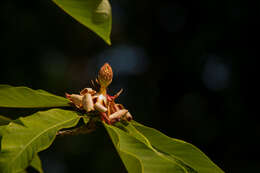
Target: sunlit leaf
pixel 143 149
pixel 186 153
pixel 94 14
pixel 22 141
pixel 138 157
pixel 23 97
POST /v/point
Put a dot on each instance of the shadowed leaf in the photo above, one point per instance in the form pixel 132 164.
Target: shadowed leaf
pixel 4 120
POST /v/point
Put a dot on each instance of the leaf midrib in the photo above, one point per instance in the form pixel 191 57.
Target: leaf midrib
pixel 24 148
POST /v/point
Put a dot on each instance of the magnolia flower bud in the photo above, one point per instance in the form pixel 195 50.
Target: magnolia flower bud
pixel 105 75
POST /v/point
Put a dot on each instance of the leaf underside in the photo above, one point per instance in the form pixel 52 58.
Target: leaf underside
pixel 23 97
pixel 23 140
pixel 146 150
pixel 94 14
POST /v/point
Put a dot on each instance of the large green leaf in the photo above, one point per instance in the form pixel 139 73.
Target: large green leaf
pixel 23 138
pixel 94 14
pixel 186 153
pixel 23 97
pixel 143 149
pixel 139 157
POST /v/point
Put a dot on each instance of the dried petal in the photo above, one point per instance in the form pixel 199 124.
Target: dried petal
pixel 87 90
pixel 87 102
pixel 120 106
pixel 75 99
pixel 102 99
pixel 128 116
pixel 99 107
pixel 118 114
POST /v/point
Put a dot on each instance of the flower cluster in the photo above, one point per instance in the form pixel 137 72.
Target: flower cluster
pixel 91 100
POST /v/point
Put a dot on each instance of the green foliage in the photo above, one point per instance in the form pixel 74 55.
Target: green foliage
pixel 143 149
pixel 23 138
pixel 23 97
pixel 94 14
pixel 37 164
pixel 184 153
pixel 4 120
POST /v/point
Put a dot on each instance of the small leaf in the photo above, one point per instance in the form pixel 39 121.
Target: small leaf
pixel 23 97
pixel 94 14
pixel 37 164
pixel 86 119
pixel 20 143
pixel 143 149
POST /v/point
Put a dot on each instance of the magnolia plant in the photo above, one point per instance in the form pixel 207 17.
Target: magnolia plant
pixel 91 100
pixel 142 149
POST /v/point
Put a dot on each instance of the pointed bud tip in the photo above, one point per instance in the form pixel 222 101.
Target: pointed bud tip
pixel 105 75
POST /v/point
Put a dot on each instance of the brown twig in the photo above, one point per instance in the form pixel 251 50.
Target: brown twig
pixel 85 129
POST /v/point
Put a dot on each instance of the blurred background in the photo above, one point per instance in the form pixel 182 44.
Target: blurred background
pixel 187 69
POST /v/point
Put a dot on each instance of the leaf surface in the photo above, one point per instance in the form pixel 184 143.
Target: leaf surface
pixel 23 97
pixel 37 164
pixel 94 14
pixel 22 141
pixel 137 156
pixel 4 120
pixel 186 153
pixel 139 146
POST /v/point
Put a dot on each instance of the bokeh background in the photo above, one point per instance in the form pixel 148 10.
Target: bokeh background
pixel 186 69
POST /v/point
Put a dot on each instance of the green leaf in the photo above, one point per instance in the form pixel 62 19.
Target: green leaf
pixel 143 149
pixel 94 14
pixel 22 141
pixel 186 153
pixel 23 97
pixel 4 120
pixel 139 157
pixel 86 119
pixel 37 164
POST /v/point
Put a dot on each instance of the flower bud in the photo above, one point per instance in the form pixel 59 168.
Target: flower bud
pixel 105 75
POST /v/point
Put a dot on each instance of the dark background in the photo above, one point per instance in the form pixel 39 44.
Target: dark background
pixel 187 69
